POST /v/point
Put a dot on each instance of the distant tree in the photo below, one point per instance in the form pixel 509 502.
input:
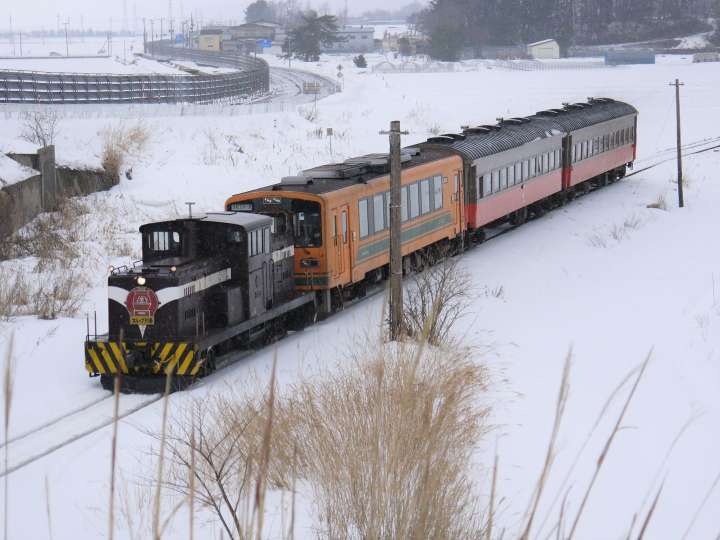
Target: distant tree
pixel 312 32
pixel 360 61
pixel 404 46
pixel 440 22
pixel 260 10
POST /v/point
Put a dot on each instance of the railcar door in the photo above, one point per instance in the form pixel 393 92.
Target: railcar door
pixel 341 243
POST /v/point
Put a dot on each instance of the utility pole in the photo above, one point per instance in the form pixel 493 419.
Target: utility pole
pixel 681 201
pixel 396 294
pixel 67 45
pixel 144 37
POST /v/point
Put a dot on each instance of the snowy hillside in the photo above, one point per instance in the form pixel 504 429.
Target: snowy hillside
pixel 605 276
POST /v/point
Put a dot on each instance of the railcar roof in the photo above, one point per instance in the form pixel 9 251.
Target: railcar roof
pixel 319 186
pixel 512 133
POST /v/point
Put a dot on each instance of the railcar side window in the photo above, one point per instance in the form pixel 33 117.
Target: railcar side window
pixel 495 181
pixel 503 178
pixel 526 169
pixel 424 196
pixel 363 211
pixel 551 165
pixel 518 172
pixel 379 212
pixel 558 159
pixel 437 193
pixel 266 241
pixel 511 175
pixel 404 204
pixel 344 226
pixel 414 200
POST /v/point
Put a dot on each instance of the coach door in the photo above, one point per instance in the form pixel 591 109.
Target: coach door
pixel 341 243
pixel 457 201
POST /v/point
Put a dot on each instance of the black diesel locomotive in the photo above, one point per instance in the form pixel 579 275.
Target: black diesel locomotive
pixel 205 285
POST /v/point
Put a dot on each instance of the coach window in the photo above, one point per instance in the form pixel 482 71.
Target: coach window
pixel 526 169
pixel 533 166
pixel 379 212
pixel 344 226
pixel 487 185
pixel 363 211
pixel 632 134
pixel 424 196
pixel 414 200
pixel 551 165
pixel 503 178
pixel 438 192
pixel 511 175
pixel 266 240
pixel 387 209
pixel 558 159
pixel 404 204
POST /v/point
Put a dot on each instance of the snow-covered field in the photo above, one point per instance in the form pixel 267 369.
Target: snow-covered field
pixel 76 46
pixel 605 276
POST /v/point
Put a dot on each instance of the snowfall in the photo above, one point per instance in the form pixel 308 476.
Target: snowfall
pixel 605 277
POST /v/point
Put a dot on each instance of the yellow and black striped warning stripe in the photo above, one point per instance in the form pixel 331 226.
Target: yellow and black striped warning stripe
pixel 176 358
pixel 106 358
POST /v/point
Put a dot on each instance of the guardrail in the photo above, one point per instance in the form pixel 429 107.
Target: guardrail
pixel 251 79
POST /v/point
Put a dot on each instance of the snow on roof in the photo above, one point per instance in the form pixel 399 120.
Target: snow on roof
pixel 543 42
pixel 12 172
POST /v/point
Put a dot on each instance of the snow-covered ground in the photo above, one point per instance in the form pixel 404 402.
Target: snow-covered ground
pixel 605 276
pixel 75 46
pixel 116 65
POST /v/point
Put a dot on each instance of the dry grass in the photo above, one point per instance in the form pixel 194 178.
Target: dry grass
pixel 58 293
pixel 40 128
pixel 659 204
pixel 119 144
pixel 385 446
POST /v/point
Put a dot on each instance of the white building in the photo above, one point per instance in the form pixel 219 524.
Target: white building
pixel 354 39
pixel 547 48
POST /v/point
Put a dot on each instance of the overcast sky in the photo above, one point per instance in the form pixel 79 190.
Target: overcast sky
pixel 33 14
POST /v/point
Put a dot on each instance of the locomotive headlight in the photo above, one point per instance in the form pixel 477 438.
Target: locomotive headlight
pixel 309 263
pixel 141 281
pixel 173 269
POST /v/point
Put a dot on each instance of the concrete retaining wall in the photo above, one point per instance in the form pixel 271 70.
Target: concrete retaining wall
pixel 21 202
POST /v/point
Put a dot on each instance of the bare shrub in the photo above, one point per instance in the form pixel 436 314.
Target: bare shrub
pixel 435 300
pixel 220 460
pixel 308 113
pixel 40 127
pixel 434 129
pixel 119 144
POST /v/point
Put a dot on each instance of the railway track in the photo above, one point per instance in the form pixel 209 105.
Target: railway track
pixel 28 447
pixel 31 446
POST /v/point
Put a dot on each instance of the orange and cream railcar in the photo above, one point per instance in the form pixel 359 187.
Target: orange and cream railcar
pixel 339 215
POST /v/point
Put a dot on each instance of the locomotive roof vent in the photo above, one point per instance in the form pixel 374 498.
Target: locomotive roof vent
pixel 600 100
pixel 515 121
pixel 490 127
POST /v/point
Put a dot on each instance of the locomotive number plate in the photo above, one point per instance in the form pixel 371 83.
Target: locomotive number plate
pixel 142 321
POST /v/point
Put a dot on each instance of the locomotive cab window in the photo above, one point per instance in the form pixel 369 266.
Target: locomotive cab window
pixel 162 243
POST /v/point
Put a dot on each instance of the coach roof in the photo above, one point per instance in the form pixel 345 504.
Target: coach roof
pixel 514 132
